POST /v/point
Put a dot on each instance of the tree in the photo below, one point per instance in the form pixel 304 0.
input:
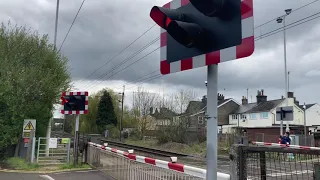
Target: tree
pixel 182 99
pixel 32 76
pixel 177 129
pixel 143 102
pixel 106 114
pixel 88 121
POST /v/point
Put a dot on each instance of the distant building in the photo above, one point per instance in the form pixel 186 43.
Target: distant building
pixel 258 119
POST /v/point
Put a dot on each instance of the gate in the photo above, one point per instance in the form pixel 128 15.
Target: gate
pixel 57 153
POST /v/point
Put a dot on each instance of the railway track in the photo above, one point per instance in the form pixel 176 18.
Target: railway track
pixel 144 149
pixel 125 146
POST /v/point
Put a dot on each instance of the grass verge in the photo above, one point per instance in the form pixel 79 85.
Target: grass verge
pixel 20 164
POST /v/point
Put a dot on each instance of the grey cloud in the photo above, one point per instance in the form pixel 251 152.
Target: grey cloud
pixel 103 29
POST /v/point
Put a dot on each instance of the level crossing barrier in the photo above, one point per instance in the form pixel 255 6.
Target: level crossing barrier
pixel 123 165
pixel 284 145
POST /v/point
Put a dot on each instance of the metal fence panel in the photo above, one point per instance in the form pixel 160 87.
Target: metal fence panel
pixel 122 168
pixel 273 163
pixel 58 155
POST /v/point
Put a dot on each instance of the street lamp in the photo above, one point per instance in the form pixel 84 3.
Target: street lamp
pixel 305 123
pixel 282 20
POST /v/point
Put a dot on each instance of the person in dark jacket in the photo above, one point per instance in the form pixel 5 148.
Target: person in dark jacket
pixel 285 139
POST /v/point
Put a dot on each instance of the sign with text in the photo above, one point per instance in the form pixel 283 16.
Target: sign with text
pixel 53 143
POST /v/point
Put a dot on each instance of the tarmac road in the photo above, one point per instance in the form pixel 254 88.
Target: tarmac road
pixel 78 175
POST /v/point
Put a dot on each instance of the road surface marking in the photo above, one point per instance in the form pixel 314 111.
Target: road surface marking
pixel 86 171
pixel 46 177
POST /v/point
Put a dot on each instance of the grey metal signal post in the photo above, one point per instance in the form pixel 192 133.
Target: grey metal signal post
pixel 212 113
pixel 205 33
pixel 75 141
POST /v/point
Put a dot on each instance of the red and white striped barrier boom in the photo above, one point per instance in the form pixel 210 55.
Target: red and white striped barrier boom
pixel 194 171
pixel 284 145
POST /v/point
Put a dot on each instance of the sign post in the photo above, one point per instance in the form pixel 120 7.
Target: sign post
pixel 75 103
pixel 212 115
pixel 284 114
pixel 196 33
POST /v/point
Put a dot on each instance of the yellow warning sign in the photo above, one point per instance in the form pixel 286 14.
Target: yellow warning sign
pixel 29 126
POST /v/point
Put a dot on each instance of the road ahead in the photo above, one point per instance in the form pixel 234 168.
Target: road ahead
pixel 78 175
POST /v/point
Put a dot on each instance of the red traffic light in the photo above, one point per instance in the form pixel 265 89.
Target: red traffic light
pixel 187 34
pixel 64 100
pixel 163 16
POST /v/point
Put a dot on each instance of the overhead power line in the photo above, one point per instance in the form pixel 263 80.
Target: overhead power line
pixel 127 59
pixel 120 52
pixel 294 24
pixel 297 9
pixel 74 19
pixel 159 37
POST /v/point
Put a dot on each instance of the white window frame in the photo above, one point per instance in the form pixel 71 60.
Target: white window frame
pixel 200 120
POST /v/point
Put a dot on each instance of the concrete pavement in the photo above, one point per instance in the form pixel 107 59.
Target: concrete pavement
pixel 71 175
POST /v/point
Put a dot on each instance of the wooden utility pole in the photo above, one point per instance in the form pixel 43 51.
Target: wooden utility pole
pixel 121 118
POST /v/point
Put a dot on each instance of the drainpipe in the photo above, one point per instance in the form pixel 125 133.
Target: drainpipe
pixel 274 118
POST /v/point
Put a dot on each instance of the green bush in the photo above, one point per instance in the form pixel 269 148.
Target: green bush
pixel 136 135
pixel 114 131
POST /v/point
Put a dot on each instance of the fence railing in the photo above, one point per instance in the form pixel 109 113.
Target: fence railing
pixel 271 161
pixel 122 165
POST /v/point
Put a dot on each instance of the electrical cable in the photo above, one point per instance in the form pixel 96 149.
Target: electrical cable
pixel 74 19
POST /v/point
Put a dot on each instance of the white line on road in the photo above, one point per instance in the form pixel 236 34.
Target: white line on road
pixel 84 171
pixel 46 177
pixel 87 171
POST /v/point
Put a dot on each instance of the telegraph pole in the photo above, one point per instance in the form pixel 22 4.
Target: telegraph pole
pixel 55 47
pixel 121 118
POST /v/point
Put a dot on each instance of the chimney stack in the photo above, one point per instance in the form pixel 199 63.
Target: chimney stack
pixel 290 95
pixel 204 99
pixel 244 100
pixel 220 97
pixel 261 97
pixel 295 101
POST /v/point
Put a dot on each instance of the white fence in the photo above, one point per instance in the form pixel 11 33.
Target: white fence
pixel 122 165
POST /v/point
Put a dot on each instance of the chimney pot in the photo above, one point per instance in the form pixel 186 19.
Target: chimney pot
pixel 244 100
pixel 290 95
pixel 261 97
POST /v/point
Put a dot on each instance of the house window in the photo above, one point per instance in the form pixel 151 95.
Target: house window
pixel 253 116
pixel 264 115
pixel 200 120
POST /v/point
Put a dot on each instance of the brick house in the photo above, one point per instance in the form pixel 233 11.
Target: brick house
pixel 195 113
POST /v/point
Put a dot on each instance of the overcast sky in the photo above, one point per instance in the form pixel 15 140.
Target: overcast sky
pixel 103 28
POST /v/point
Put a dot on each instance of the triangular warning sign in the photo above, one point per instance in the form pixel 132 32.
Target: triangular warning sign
pixel 29 126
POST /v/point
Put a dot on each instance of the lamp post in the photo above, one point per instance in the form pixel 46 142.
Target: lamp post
pixel 305 123
pixel 282 20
